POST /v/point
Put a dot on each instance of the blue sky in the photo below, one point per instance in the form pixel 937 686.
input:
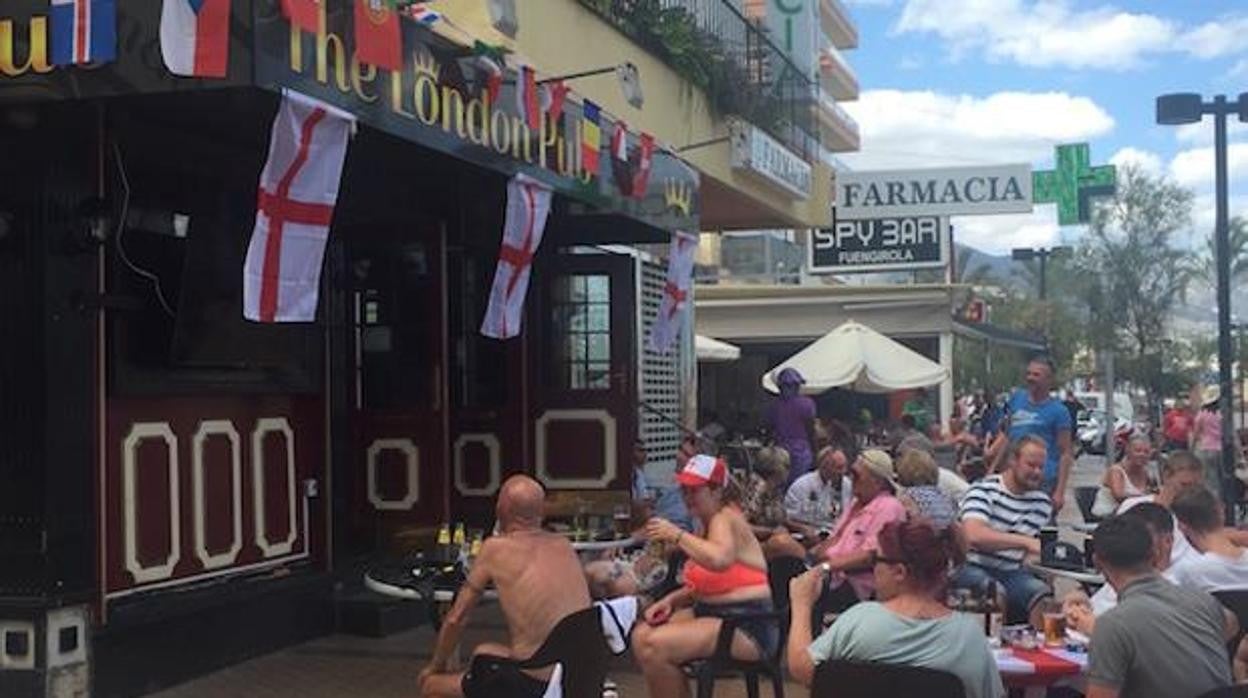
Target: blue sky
pixel 959 82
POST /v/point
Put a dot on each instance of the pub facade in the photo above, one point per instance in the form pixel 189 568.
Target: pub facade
pixel 180 488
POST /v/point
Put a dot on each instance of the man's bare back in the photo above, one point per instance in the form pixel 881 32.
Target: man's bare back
pixel 539 581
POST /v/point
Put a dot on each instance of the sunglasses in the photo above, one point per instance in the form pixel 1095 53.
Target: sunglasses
pixel 877 558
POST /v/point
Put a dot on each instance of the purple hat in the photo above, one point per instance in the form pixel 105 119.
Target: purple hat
pixel 790 376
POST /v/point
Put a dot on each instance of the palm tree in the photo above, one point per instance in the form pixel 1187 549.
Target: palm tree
pixel 1238 229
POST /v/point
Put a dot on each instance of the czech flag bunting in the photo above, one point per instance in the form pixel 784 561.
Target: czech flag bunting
pixel 305 14
pixel 83 31
pixel 195 37
pixel 591 137
pixel 526 97
pixel 378 37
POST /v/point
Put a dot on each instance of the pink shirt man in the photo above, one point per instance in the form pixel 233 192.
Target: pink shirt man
pixel 858 529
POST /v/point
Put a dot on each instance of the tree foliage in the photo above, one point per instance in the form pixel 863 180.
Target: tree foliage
pixel 1140 274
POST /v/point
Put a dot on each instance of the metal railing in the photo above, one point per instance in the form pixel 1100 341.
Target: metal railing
pixel 713 45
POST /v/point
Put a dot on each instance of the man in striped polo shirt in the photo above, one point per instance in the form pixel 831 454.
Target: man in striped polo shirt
pixel 1002 516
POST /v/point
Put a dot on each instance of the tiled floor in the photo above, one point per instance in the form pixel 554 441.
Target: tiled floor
pixel 340 666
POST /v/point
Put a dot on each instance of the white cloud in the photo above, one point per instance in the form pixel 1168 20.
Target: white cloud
pixel 1224 37
pixel 1201 133
pixel 1060 33
pixel 903 129
pixel 1148 162
pixel 1194 168
pixel 1000 234
pixel 928 129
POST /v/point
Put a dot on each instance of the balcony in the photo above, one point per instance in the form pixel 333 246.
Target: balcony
pixel 840 131
pixel 717 49
pixel 837 24
pixel 835 76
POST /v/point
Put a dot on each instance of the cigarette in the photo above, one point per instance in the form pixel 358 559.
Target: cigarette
pixel 825 566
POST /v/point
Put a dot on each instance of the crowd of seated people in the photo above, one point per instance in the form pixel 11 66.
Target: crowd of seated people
pixel 883 544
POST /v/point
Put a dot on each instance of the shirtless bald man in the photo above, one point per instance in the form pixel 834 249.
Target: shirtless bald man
pixel 539 582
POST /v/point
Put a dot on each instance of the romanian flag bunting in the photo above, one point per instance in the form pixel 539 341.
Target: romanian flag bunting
pixel 304 14
pixel 527 100
pixel 378 36
pixel 591 137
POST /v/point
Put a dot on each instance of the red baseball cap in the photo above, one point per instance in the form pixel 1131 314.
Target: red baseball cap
pixel 703 470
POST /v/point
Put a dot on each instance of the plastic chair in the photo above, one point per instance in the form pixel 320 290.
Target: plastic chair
pixel 1240 691
pixel 1086 497
pixel 845 679
pixel 721 664
pixel 1235 601
pixel 577 643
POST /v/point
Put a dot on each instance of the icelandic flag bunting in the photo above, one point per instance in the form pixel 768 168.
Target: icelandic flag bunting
pixel 528 205
pixel 195 37
pixel 670 319
pixel 83 31
pixel 298 190
pixel 645 158
pixel 527 100
pixel 304 14
pixel 591 137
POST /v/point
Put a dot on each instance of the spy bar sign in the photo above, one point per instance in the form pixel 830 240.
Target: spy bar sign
pixel 880 244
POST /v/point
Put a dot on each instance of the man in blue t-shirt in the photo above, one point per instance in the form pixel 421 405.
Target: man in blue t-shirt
pixel 1034 411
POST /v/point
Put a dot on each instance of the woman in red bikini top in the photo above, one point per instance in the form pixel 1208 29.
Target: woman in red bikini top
pixel 726 576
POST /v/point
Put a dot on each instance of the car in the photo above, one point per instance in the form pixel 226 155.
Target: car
pixel 1090 430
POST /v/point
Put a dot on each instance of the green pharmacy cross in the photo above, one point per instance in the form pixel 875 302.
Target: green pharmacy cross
pixel 1073 183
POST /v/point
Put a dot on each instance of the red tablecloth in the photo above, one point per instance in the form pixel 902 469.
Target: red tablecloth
pixel 1046 667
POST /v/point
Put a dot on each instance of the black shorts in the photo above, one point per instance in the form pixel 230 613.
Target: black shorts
pixel 764 632
pixel 496 677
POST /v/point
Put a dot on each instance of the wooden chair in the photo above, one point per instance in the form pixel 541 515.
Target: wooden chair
pixel 780 571
pixel 844 679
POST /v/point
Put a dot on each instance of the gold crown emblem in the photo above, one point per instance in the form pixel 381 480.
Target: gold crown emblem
pixel 424 63
pixel 678 195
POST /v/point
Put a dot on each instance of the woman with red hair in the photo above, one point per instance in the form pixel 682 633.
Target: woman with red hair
pixel 909 625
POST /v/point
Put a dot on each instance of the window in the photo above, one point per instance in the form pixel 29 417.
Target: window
pixel 582 324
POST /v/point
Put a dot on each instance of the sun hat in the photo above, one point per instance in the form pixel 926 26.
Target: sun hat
pixel 1210 395
pixel 703 470
pixel 790 376
pixel 881 465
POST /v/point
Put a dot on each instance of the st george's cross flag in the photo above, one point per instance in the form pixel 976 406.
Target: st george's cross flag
pixel 528 205
pixel 83 31
pixel 670 319
pixel 298 190
pixel 195 37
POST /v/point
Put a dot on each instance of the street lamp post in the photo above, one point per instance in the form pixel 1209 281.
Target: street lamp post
pixel 1189 108
pixel 1026 254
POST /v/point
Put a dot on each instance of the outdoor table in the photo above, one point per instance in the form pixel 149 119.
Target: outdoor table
pixel 1035 671
pixel 598 546
pixel 1086 578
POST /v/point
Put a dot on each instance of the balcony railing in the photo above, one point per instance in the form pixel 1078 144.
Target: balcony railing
pixel 715 47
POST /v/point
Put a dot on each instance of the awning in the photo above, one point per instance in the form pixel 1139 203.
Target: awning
pixel 857 357
pixel 1003 336
pixel 711 350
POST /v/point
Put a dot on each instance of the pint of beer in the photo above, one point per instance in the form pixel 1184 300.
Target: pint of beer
pixel 1054 628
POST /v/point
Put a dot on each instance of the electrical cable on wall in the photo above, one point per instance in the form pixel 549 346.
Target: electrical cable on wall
pixel 121 230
